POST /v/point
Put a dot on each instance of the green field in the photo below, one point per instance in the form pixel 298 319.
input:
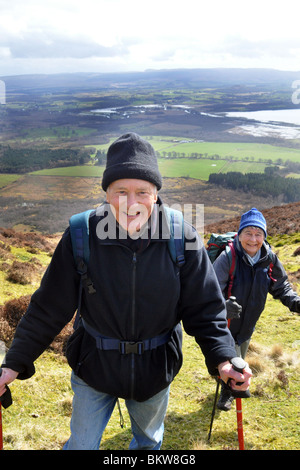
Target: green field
pixel 179 167
pixel 201 169
pixel 6 179
pixel 84 171
pixel 215 157
pixel 55 132
pixel 241 151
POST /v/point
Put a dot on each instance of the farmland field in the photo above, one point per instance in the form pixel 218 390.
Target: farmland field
pixel 241 157
pixel 84 171
pixel 240 151
pixel 198 169
pixel 6 179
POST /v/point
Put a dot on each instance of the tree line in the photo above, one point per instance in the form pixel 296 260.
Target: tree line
pixel 263 184
pixel 23 160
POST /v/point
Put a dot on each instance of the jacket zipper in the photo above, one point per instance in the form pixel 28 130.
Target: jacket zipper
pixel 133 322
pixel 133 295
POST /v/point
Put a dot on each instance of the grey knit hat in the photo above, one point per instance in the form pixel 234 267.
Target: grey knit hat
pixel 130 156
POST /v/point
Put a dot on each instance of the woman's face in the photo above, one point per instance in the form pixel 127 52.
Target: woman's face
pixel 251 239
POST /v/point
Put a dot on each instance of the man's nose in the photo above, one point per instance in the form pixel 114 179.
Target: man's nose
pixel 131 200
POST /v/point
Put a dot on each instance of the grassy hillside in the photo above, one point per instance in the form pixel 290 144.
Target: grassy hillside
pixel 40 415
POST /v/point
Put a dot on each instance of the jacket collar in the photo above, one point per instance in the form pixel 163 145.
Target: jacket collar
pixel 264 255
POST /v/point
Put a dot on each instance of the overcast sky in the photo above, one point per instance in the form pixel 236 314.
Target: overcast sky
pixel 55 36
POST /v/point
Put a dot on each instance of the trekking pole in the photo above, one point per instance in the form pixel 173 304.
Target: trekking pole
pixel 239 365
pixel 214 408
pixel 239 418
pixel 5 401
pixel 217 391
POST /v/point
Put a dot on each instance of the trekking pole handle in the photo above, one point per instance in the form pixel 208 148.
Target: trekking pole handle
pixel 239 365
pixel 5 399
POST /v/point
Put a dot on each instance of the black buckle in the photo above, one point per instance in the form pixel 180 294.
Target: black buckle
pixel 129 347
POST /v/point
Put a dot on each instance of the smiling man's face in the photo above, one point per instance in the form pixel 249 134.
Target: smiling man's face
pixel 132 201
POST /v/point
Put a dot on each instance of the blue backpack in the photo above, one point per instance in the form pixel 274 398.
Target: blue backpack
pixel 79 230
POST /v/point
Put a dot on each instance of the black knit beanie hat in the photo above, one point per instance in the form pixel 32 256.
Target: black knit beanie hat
pixel 130 156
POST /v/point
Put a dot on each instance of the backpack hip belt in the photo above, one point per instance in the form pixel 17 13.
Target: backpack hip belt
pixel 126 347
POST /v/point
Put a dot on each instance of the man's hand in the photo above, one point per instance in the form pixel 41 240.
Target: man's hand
pixel 7 376
pixel 227 372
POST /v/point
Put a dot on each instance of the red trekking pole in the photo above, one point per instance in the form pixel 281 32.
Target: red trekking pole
pixel 239 365
pixel 239 417
pixel 5 401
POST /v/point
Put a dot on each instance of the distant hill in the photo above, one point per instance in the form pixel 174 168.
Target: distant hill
pixel 174 78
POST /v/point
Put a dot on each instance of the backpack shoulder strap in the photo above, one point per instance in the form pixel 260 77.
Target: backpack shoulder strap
pixel 232 257
pixel 79 229
pixel 176 241
pixel 272 257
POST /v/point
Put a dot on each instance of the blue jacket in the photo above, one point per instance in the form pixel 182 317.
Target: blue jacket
pixel 140 293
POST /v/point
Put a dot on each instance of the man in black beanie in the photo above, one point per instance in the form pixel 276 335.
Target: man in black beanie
pixel 131 181
pixel 131 157
pixel 128 340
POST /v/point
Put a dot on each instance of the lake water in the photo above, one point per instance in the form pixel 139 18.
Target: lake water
pixel 289 116
pixel 269 123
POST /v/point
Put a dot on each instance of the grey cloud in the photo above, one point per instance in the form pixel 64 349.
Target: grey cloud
pixel 241 47
pixel 50 45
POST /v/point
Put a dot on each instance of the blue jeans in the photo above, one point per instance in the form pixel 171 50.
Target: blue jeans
pixel 92 411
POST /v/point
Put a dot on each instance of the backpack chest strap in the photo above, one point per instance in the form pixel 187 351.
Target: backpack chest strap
pixel 126 347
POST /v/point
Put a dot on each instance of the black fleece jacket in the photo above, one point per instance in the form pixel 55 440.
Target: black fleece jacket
pixel 140 293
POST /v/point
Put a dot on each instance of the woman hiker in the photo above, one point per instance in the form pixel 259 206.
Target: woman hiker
pixel 258 272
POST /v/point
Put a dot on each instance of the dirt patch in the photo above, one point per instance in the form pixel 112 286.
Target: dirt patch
pixel 12 312
pixel 33 241
pixel 37 188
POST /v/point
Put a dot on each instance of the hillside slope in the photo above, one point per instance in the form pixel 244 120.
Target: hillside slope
pixel 42 407
pixel 280 220
pixel 24 257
